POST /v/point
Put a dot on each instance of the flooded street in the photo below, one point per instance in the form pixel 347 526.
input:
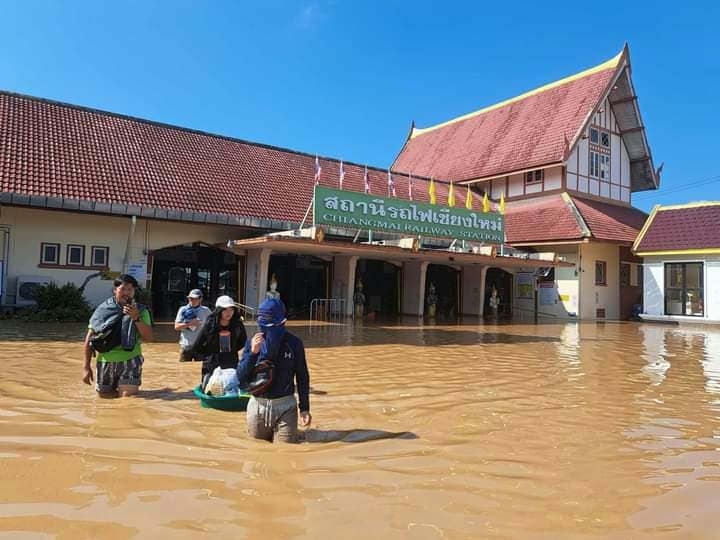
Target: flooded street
pixel 466 431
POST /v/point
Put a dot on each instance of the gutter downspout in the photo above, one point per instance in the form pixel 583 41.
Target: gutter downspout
pixel 131 233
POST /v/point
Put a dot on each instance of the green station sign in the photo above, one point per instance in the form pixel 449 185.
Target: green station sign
pixel 355 210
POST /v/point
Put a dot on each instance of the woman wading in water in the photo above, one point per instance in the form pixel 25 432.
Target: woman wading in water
pixel 221 338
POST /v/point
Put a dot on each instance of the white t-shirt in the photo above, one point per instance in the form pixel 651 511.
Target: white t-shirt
pixel 189 335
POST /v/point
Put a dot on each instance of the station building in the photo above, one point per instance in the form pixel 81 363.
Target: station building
pixel 86 194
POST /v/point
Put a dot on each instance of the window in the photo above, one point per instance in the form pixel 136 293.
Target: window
pixel 49 253
pixel 594 164
pixel 684 292
pixel 594 135
pixel 600 273
pixel 625 271
pixel 99 256
pixel 605 139
pixel 534 177
pixel 75 255
pixel 604 167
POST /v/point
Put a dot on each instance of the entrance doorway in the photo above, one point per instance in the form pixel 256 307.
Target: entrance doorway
pixel 381 285
pixel 503 282
pixel 300 278
pixel 446 280
pixel 178 269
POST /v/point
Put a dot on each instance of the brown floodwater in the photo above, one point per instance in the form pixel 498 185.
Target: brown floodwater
pixel 545 431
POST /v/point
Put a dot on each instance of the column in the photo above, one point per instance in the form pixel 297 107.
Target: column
pixel 256 279
pixel 473 293
pixel 343 285
pixel 413 298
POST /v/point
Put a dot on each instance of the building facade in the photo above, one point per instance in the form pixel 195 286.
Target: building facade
pixel 566 158
pixel 680 246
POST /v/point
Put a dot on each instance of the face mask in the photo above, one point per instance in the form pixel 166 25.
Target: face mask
pixel 273 338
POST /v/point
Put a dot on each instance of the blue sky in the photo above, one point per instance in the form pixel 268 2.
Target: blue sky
pixel 345 78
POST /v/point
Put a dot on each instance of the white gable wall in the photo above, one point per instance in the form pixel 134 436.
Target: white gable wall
pixel 579 177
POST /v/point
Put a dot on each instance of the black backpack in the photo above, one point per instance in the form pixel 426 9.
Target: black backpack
pixel 108 339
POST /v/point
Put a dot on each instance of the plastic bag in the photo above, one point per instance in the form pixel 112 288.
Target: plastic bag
pixel 222 382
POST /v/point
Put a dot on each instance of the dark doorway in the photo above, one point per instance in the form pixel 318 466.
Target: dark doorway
pixel 178 269
pixel 503 282
pixel 300 278
pixel 381 282
pixel 447 286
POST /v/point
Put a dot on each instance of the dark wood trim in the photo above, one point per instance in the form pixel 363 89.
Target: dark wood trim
pixel 623 100
pixel 42 251
pixel 632 130
pixel 67 255
pixel 598 198
pixel 72 267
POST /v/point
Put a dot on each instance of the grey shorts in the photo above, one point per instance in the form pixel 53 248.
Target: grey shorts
pixel 273 419
pixel 112 374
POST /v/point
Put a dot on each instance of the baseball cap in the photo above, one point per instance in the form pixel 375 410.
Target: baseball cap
pixel 195 293
pixel 271 313
pixel 225 302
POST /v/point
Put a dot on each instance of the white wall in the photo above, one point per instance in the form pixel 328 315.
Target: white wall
pixel 343 286
pixel 30 227
pixel 256 277
pixel 593 297
pixel 654 284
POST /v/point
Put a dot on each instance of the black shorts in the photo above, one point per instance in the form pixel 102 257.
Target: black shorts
pixel 112 374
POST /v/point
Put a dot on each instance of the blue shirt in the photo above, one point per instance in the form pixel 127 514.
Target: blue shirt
pixel 290 367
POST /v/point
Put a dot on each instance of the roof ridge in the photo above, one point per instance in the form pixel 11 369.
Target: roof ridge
pixel 697 204
pixel 608 64
pixel 585 230
pixel 205 133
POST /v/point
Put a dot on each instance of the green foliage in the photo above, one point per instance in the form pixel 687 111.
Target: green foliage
pixel 57 304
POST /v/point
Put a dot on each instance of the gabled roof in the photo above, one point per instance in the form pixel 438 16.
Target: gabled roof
pixel 681 229
pixel 563 218
pixel 63 156
pixel 535 129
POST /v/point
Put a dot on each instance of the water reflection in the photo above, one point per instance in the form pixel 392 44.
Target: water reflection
pixel 557 430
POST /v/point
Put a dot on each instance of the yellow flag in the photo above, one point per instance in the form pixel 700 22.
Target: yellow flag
pixel 451 196
pixel 502 203
pixel 486 203
pixel 431 192
pixel 468 199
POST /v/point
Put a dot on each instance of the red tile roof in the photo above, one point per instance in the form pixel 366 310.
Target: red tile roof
pixel 611 222
pixel 688 227
pixel 544 219
pixel 524 132
pixel 51 149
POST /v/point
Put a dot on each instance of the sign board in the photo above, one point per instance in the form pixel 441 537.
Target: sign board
pixel 547 294
pixel 138 270
pixel 355 210
pixel 525 285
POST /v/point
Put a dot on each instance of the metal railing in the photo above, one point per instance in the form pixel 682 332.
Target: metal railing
pixel 327 309
pixel 248 313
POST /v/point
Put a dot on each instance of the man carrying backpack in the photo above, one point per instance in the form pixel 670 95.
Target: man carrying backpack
pixel 273 362
pixel 114 333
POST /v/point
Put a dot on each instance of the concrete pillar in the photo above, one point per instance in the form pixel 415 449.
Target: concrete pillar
pixel 256 280
pixel 413 297
pixel 473 293
pixel 343 285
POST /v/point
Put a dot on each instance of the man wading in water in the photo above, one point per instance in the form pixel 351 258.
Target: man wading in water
pixel 113 334
pixel 273 415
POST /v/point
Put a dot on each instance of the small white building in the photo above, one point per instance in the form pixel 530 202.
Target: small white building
pixel 681 249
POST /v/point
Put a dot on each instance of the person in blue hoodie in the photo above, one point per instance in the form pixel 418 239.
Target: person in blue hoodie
pixel 273 415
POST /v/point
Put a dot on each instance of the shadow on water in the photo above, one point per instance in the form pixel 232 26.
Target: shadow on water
pixel 353 435
pixel 166 394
